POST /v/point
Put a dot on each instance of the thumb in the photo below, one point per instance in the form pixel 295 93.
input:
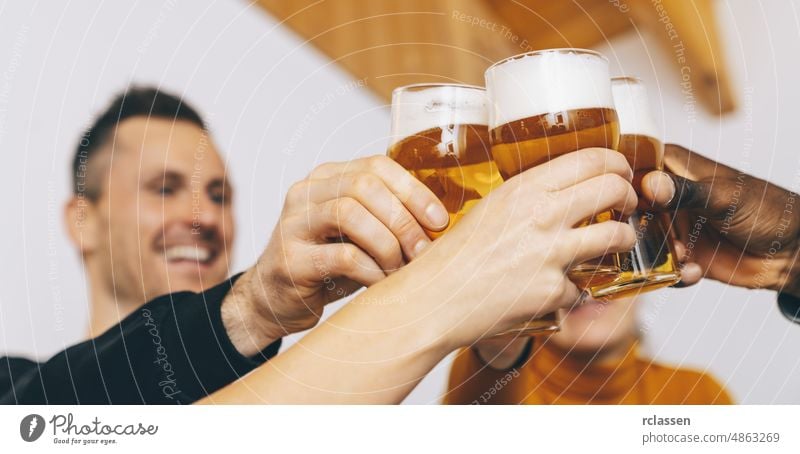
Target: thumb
pixel 668 191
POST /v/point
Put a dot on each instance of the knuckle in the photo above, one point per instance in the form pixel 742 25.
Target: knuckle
pixel 365 183
pixel 321 171
pixel 347 209
pixel 344 258
pixel 288 226
pixel 617 185
pixel 559 285
pixel 378 162
pixel 404 224
pixel 544 214
pixel 617 159
pixel 603 159
pixel 389 252
pixel 552 283
pixel 297 192
pixel 552 250
pixel 559 249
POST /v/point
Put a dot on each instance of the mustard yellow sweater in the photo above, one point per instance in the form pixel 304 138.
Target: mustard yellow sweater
pixel 550 376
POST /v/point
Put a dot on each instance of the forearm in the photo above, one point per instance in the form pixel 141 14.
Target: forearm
pixel 374 350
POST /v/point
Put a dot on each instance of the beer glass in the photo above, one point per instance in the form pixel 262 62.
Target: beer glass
pixel 440 135
pixel 651 263
pixel 548 103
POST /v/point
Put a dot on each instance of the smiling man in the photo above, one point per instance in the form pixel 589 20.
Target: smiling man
pixel 150 212
pixel 151 217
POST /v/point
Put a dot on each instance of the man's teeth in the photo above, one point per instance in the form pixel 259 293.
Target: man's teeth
pixel 196 254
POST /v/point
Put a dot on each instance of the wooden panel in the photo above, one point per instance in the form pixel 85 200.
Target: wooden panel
pixel 549 24
pixel 689 33
pixel 397 42
pixel 393 42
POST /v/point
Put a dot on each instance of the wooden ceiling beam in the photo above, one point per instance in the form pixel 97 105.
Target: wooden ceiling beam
pixel 548 25
pixel 399 42
pixel 393 42
pixel 689 33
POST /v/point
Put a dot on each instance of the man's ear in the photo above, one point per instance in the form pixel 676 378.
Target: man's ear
pixel 81 217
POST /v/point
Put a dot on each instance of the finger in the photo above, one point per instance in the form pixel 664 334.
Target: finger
pixel 346 217
pixel 658 189
pixel 345 260
pixel 691 273
pixel 415 196
pixel 371 192
pixel 680 194
pixel 680 251
pixel 687 164
pixel 572 296
pixel 572 168
pixel 599 239
pixel 331 169
pixel 596 195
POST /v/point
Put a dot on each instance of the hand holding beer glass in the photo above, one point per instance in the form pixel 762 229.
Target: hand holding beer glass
pixel 537 106
pixel 440 135
pixel 548 103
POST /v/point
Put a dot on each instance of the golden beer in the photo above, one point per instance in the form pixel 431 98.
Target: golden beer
pixel 454 162
pixel 651 264
pixel 545 104
pixel 531 141
pixel 440 135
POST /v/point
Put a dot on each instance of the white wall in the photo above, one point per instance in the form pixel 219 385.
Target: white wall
pixel 277 107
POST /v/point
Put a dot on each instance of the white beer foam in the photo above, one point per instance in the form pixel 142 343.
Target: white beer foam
pixel 415 111
pixel 633 109
pixel 547 82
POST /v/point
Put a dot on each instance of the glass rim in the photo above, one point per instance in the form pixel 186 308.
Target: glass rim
pixel 423 85
pixel 558 50
pixel 628 79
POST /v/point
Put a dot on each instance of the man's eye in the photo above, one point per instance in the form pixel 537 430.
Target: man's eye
pixel 218 197
pixel 166 190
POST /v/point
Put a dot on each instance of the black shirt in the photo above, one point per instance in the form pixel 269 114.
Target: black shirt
pixel 173 349
pixel 789 306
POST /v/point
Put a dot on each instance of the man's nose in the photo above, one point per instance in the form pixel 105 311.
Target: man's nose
pixel 203 214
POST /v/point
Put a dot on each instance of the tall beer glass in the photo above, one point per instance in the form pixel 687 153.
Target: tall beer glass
pixel 651 263
pixel 440 135
pixel 545 104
